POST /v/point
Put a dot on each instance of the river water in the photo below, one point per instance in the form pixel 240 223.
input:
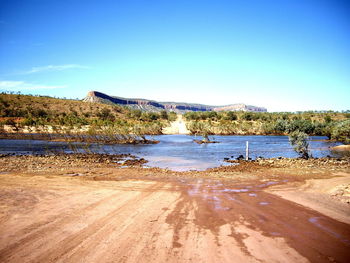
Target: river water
pixel 179 152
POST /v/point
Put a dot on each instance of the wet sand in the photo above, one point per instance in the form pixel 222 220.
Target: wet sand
pixel 73 212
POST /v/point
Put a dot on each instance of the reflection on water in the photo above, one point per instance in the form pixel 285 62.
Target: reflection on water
pixel 178 152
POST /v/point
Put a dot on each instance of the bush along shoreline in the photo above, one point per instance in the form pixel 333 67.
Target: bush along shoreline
pixel 105 135
pixel 334 125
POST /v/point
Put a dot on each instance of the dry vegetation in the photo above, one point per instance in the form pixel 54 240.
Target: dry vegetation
pixel 38 114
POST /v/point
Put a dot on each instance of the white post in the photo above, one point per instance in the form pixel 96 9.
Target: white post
pixel 247 151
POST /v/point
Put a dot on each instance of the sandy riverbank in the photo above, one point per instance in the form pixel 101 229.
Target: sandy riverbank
pixel 89 208
pixel 341 148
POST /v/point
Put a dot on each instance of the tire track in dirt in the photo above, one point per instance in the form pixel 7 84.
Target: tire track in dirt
pixel 129 229
pixel 47 228
pixel 101 225
pixel 68 209
pixel 38 231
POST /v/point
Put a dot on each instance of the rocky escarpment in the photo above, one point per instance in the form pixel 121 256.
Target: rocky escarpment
pixel 95 96
pixel 151 105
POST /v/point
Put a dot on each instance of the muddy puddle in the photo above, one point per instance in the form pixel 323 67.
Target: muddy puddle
pixel 217 204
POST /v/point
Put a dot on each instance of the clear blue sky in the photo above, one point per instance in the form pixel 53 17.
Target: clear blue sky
pixel 285 55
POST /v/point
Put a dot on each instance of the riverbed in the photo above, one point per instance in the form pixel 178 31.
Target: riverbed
pixel 179 152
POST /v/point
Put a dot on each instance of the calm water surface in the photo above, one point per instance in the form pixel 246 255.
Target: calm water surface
pixel 179 152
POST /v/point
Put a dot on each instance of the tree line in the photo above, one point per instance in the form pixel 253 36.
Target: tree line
pixel 334 125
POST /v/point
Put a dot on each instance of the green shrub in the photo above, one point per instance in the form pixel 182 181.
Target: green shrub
pixel 305 126
pixel 172 116
pixel 164 115
pixel 28 122
pixel 300 143
pixel 327 119
pixel 231 116
pixel 280 126
pixel 341 132
pixel 248 116
pixel 10 122
pixel 105 114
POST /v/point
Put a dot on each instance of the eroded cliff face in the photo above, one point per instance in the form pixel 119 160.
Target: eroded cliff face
pixel 150 105
pixel 95 96
pixel 91 97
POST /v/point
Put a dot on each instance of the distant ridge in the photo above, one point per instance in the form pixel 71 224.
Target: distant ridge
pixel 151 105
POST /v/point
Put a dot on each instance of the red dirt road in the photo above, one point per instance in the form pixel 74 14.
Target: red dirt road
pixel 63 219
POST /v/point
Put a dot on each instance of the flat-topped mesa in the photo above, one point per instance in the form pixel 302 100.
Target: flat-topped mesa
pixel 151 105
pixel 95 96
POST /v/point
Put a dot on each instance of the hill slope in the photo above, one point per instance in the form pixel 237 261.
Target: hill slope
pixel 42 110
